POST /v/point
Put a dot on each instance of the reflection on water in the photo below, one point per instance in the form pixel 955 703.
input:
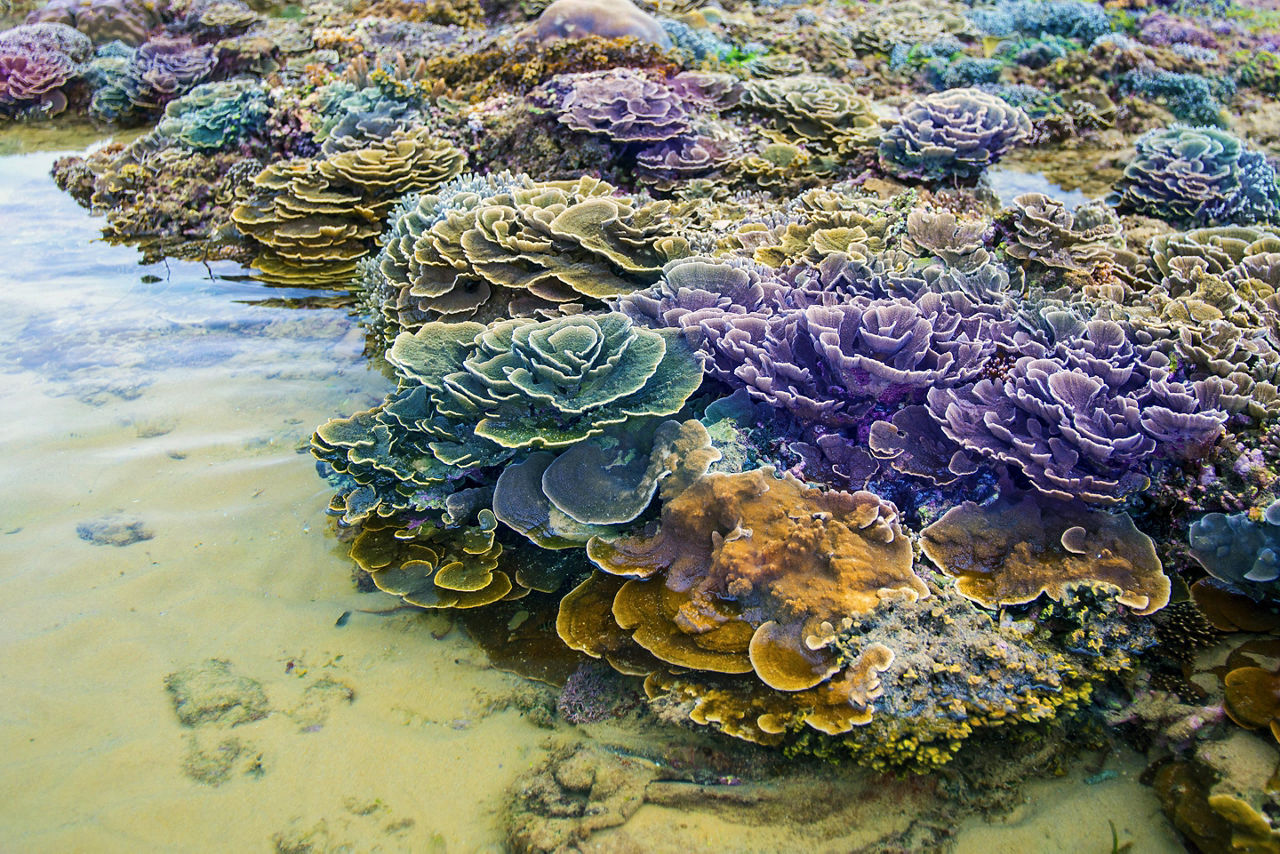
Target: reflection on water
pixel 187 665
pixel 1008 184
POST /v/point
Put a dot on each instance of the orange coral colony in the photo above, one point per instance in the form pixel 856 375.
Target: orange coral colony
pixel 1010 552
pixel 748 573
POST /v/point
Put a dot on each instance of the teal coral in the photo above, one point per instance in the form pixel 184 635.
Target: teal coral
pixel 216 116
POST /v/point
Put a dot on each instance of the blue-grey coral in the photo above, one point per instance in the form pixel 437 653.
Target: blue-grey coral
pixel 1197 176
pixel 216 116
pixel 1240 550
pixel 959 132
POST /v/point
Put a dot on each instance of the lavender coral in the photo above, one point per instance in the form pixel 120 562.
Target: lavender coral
pixel 623 106
pixel 36 62
pixel 959 132
pixel 1078 421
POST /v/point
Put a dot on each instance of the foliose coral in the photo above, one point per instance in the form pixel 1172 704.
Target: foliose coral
pixel 622 105
pixel 160 70
pixel 314 218
pixel 129 21
pixel 36 62
pixel 216 116
pixel 958 132
pixel 541 244
pixel 1198 176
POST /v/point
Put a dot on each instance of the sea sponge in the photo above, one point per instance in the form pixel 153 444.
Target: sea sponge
pixel 1239 550
pixel 1010 552
pixel 958 133
pixel 1198 176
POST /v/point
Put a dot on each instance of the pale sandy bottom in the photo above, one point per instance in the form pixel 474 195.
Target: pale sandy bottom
pixel 172 404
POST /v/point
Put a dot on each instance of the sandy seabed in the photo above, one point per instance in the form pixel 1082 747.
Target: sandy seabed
pixel 160 407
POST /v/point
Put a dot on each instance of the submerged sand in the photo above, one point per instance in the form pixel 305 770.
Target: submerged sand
pixel 162 521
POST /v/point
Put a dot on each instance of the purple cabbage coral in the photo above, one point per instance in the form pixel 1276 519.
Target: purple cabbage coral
pixel 622 105
pixel 36 62
pixel 1080 420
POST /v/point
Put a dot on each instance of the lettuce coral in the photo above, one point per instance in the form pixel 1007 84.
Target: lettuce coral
pixel 533 244
pixel 216 116
pixel 1198 176
pixel 36 62
pixel 742 573
pixel 314 218
pixel 128 21
pixel 959 132
pixel 622 105
pixel 473 396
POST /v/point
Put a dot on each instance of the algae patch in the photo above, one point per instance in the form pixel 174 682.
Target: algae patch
pixel 114 530
pixel 210 693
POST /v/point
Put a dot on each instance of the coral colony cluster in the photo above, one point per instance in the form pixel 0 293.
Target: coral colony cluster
pixel 719 335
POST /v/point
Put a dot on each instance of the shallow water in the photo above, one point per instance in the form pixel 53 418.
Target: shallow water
pixel 176 401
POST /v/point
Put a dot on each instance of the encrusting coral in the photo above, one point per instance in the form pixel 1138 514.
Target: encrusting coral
pixel 1012 551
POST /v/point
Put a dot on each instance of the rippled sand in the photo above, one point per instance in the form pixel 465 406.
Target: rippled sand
pixel 162 401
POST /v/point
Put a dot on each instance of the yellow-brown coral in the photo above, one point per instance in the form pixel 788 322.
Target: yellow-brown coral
pixel 314 218
pixel 746 574
pixel 1010 552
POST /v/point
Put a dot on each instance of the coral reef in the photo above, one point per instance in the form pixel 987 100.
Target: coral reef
pixel 702 316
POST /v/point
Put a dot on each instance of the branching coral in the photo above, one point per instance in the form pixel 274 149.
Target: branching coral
pixel 959 132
